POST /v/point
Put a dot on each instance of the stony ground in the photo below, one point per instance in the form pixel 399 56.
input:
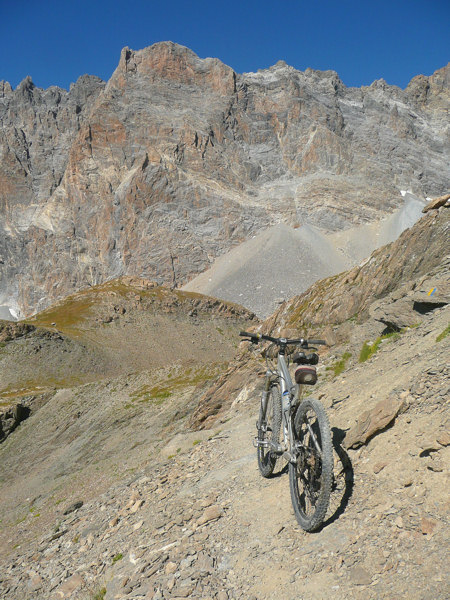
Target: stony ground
pixel 188 515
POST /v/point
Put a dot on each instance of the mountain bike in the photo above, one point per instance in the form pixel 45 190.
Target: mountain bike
pixel 301 423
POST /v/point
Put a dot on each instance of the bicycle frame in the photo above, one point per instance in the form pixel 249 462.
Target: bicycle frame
pixel 288 390
pixel 287 397
pixel 306 443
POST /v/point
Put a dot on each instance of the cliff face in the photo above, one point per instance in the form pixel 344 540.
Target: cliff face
pixel 177 159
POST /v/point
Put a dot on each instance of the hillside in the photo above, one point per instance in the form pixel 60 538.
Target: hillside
pixel 145 484
pixel 122 327
pixel 281 262
pixel 177 159
pixel 402 273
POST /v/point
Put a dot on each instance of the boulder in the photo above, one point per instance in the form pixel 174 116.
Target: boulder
pixel 437 203
pixel 372 421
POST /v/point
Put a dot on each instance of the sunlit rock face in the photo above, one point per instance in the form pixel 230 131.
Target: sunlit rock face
pixel 177 159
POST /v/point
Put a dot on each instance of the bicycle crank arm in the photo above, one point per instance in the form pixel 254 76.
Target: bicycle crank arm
pixel 276 448
pixel 290 457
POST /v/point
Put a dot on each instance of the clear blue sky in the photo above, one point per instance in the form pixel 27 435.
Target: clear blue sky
pixel 57 41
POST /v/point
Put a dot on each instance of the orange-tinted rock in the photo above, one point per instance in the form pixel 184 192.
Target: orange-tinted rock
pixel 176 159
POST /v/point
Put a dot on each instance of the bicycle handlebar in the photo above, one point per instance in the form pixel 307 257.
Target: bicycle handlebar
pixel 257 337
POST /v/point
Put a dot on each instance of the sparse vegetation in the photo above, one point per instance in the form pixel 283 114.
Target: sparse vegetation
pixel 157 394
pixel 368 350
pixel 443 334
pixel 99 594
pixel 338 367
pixel 117 557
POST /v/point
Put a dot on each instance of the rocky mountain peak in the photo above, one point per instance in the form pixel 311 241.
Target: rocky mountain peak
pixel 167 61
pixel 432 89
pixel 5 88
pixel 177 159
pixel 25 89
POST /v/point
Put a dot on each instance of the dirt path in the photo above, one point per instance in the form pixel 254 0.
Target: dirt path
pixel 197 520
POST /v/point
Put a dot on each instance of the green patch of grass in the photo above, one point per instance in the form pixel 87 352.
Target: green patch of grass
pixel 117 557
pixel 69 315
pixel 43 385
pixel 157 394
pixel 443 334
pixel 20 520
pixel 368 350
pixel 195 442
pixel 338 367
pixel 99 594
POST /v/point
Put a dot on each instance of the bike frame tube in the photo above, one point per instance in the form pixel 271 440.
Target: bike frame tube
pixel 286 400
pixel 286 381
pixel 265 393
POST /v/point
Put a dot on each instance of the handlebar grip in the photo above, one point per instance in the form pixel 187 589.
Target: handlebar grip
pixel 318 342
pixel 254 337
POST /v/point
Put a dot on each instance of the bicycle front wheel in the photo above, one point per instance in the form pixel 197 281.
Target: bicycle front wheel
pixel 310 478
pixel 269 425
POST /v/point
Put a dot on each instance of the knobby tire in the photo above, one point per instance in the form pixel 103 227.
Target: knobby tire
pixel 271 420
pixel 310 479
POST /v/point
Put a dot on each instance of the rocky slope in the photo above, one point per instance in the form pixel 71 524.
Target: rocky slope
pixel 177 159
pixel 399 275
pixel 108 492
pixel 281 262
pixel 122 327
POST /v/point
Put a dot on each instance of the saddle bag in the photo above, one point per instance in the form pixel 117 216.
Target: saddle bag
pixel 306 375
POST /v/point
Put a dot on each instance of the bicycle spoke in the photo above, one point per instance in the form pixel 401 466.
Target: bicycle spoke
pixel 313 437
pixel 308 492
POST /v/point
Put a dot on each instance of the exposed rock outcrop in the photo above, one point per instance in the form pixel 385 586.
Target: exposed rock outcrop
pixel 398 277
pixel 437 203
pixel 177 159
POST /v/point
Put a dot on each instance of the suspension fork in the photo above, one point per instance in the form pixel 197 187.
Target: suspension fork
pixel 288 410
pixel 269 380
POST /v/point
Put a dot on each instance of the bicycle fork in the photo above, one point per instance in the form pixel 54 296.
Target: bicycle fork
pixel 261 424
pixel 288 427
pixel 286 447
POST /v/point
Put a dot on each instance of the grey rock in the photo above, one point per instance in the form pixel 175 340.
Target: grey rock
pixel 177 159
pixel 73 507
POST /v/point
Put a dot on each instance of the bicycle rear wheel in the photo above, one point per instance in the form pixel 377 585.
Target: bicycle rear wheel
pixel 310 479
pixel 269 425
